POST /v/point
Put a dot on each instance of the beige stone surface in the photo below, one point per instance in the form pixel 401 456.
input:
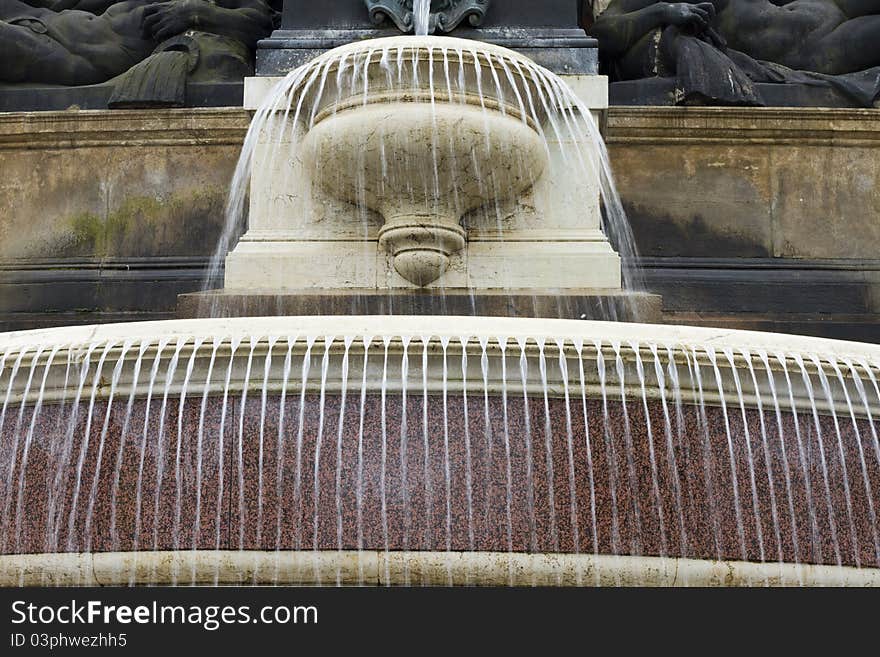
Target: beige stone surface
pixel 541 264
pixel 698 194
pixel 290 263
pixel 826 201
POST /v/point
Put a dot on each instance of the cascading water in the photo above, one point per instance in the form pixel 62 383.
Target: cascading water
pixel 329 450
pixel 437 76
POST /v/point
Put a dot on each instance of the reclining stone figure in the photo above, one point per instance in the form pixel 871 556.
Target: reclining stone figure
pixel 716 50
pixel 91 41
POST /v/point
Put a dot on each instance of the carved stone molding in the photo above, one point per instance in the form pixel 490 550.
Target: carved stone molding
pixel 445 16
pixel 34 131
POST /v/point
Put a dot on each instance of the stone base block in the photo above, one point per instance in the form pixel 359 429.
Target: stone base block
pixel 527 264
pixel 287 266
pixel 568 304
pixel 660 91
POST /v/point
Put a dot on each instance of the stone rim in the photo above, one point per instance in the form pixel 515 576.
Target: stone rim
pixel 372 568
pixel 632 340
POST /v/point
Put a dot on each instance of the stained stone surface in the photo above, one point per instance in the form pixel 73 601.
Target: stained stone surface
pixel 779 504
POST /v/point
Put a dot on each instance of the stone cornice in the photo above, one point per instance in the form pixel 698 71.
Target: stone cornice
pixel 625 125
pixel 736 125
pixel 103 128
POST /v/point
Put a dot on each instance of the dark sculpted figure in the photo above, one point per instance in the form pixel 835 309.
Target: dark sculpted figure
pixel 825 36
pixel 716 50
pixel 92 41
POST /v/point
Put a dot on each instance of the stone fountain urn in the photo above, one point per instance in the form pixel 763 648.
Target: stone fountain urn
pixel 398 163
pixel 417 136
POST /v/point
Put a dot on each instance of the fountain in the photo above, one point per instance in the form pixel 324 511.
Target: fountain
pixel 399 447
pixel 483 175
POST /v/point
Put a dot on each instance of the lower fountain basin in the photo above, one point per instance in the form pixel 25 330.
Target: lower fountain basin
pixel 418 441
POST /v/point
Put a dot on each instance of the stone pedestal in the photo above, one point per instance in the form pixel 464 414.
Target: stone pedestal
pixel 573 304
pixel 303 242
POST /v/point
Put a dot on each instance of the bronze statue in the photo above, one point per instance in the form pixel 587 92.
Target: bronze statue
pixel 71 46
pixel 82 42
pixel 716 50
pixel 826 36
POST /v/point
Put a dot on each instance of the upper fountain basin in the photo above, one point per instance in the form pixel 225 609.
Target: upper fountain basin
pixel 423 130
pixel 419 69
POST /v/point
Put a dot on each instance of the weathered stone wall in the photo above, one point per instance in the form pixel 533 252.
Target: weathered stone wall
pixel 109 215
pixel 757 218
pixel 772 183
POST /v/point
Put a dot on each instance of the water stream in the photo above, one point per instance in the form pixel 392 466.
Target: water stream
pixel 421 16
pixel 282 442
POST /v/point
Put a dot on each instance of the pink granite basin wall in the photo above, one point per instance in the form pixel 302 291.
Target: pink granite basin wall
pixel 253 493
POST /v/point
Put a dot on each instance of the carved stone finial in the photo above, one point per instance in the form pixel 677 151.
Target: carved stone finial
pixel 446 15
